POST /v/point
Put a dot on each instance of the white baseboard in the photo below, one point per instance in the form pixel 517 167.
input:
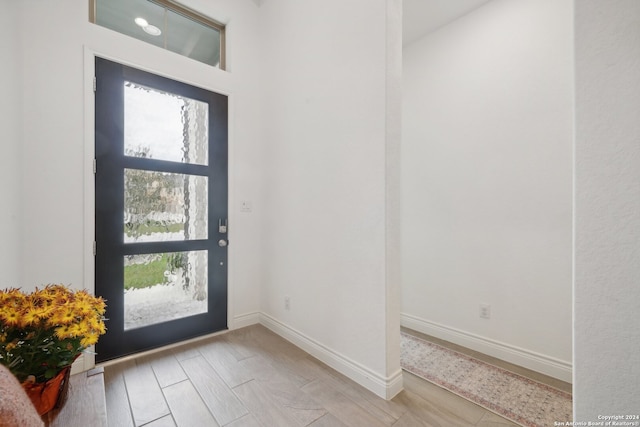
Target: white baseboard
pixel 386 388
pixel 246 319
pixel 536 362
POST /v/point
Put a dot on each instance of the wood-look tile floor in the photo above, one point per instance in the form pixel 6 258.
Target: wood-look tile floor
pixel 252 377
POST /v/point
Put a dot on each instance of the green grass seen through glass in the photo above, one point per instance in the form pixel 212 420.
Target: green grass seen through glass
pixel 137 276
pixel 152 227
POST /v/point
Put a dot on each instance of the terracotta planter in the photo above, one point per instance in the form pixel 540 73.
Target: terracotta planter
pixel 51 394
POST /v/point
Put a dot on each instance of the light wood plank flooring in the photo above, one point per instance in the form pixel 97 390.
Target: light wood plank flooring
pixel 85 403
pixel 252 377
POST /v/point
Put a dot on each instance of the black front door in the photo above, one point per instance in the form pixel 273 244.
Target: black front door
pixel 161 209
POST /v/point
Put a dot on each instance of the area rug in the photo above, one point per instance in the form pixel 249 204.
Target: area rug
pixel 519 399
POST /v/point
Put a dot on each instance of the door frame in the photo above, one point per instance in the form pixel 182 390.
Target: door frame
pixel 179 73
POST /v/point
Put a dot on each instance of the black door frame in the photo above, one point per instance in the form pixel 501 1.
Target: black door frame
pixel 109 208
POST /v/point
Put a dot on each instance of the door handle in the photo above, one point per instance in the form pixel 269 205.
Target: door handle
pixel 222 243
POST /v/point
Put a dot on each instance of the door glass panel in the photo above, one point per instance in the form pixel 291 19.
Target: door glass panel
pixel 164 286
pixel 192 39
pixel 164 126
pixel 162 206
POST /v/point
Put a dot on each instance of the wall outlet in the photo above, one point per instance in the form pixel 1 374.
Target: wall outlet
pixel 246 206
pixel 485 311
pixel 287 303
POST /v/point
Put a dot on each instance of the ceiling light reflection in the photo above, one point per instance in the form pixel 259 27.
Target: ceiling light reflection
pixel 152 30
pixel 141 22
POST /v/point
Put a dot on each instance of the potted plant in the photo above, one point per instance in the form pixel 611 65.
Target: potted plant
pixel 42 333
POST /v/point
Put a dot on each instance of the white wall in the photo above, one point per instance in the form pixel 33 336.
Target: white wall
pixel 58 42
pixel 311 144
pixel 10 146
pixel 327 83
pixel 487 182
pixel 607 200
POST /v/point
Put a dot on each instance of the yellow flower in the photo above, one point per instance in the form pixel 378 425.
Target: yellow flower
pixel 10 316
pixel 42 312
pixel 99 305
pixel 84 326
pixel 63 332
pixel 30 317
pixel 56 317
pixel 56 290
pixel 76 330
pixel 11 295
pixel 89 340
pixel 69 316
pixel 48 301
pixel 61 300
pixel 62 316
pixel 98 325
pixel 84 306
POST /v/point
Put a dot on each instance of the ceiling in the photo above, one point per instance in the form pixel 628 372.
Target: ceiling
pixel 424 16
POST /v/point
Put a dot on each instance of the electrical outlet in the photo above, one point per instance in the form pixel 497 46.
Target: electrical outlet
pixel 287 303
pixel 485 311
pixel 246 206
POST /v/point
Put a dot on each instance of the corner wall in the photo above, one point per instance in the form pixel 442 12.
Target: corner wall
pixel 607 200
pixel 330 78
pixel 11 142
pixel 487 183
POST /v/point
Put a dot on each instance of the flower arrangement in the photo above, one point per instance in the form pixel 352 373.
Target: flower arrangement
pixel 44 331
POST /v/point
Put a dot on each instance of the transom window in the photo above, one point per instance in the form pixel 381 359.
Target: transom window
pixel 165 24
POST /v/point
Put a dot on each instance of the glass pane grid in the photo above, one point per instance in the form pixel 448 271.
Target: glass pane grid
pixel 160 287
pixel 165 126
pixel 161 207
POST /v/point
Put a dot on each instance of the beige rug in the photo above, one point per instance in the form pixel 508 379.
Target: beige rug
pixel 519 399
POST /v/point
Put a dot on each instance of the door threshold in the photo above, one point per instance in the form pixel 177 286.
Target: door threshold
pixel 160 349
